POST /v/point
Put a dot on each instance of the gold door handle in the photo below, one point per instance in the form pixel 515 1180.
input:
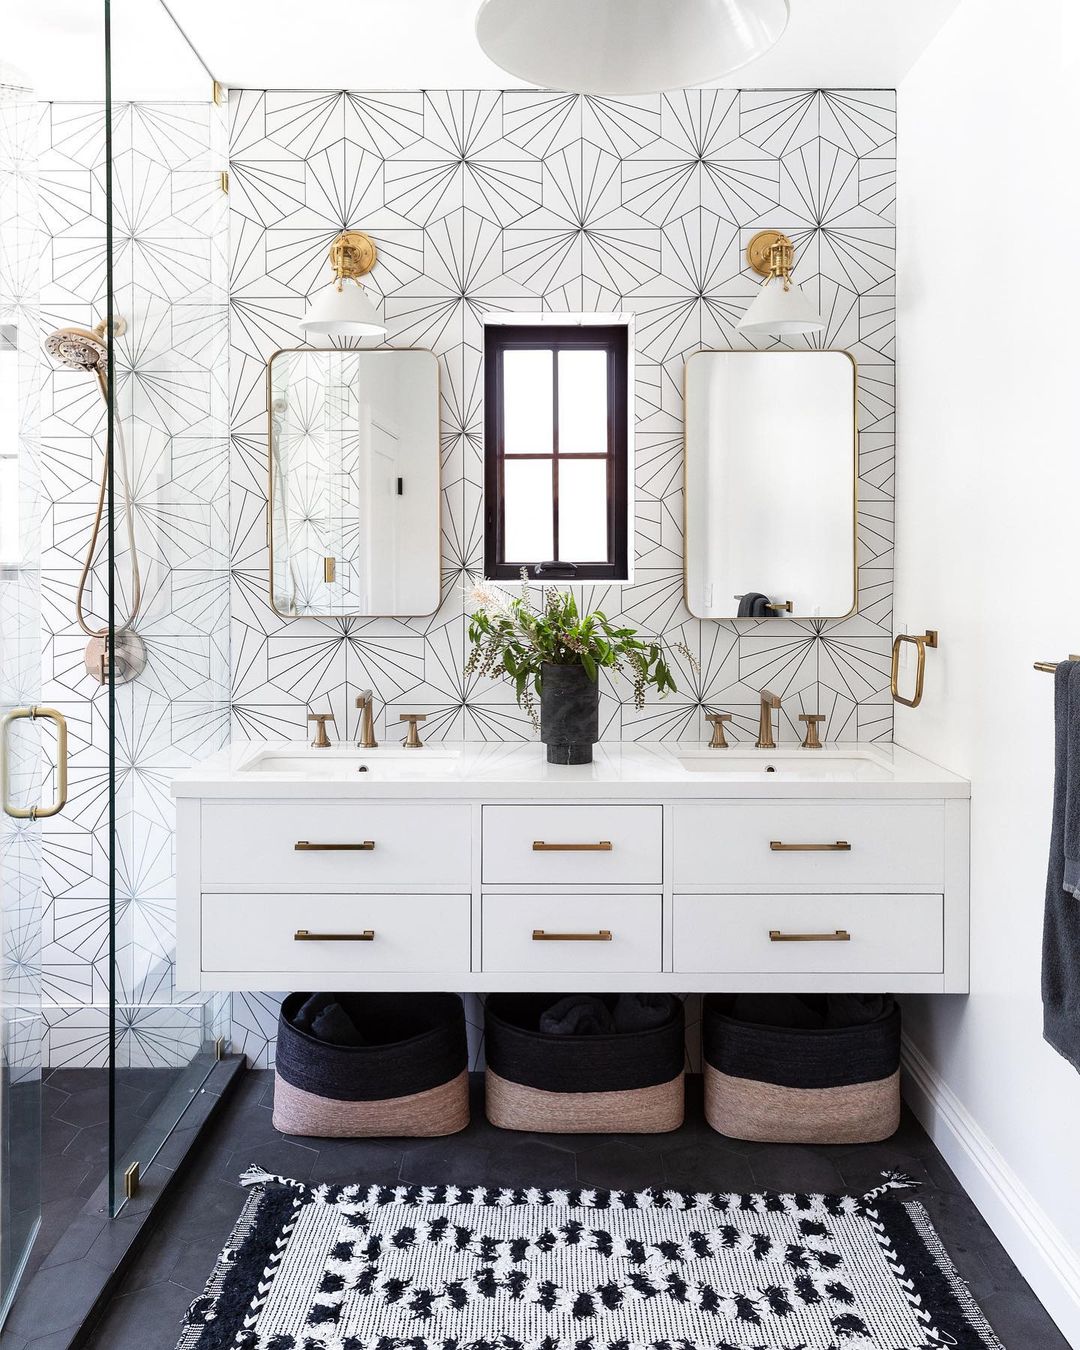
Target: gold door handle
pixel 921 641
pixel 35 812
pixel 304 846
pixel 601 846
pixel 841 846
pixel 840 935
pixel 302 935
pixel 601 935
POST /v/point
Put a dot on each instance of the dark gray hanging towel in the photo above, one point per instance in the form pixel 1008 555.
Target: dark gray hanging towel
pixel 1061 924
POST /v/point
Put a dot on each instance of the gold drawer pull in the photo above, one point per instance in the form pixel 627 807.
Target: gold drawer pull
pixel 841 935
pixel 302 935
pixel 841 846
pixel 303 846
pixel 601 846
pixel 601 935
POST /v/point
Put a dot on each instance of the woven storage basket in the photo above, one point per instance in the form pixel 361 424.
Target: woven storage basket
pixel 409 1078
pixel 629 1082
pixel 801 1086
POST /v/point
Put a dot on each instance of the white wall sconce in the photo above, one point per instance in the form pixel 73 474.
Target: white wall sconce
pixel 780 308
pixel 627 46
pixel 345 310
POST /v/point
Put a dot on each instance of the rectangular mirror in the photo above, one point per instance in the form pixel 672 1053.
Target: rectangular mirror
pixel 354 483
pixel 771 484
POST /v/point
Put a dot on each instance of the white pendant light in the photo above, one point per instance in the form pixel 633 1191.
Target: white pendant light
pixel 345 310
pixel 627 46
pixel 780 308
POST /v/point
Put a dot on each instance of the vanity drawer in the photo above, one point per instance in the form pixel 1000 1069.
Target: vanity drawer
pixel 734 843
pixel 632 921
pixel 731 933
pixel 400 843
pixel 408 933
pixel 574 845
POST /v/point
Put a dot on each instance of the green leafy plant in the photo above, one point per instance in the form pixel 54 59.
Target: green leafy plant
pixel 514 638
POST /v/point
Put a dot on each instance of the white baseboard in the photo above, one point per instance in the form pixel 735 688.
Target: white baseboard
pixel 1037 1247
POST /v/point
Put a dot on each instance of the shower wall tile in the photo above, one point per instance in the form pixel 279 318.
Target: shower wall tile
pixel 170 286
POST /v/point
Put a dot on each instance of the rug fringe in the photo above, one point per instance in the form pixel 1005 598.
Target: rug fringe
pixel 891 1181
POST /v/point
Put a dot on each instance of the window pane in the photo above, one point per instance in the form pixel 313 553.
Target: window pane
pixel 527 377
pixel 583 403
pixel 527 506
pixel 583 533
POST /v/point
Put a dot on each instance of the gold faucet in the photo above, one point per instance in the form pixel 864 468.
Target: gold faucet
pixel 322 740
pixel 769 701
pixel 365 701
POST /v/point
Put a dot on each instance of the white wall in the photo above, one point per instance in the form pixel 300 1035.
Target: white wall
pixel 989 553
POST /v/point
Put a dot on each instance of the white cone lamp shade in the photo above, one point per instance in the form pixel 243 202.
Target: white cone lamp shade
pixel 345 309
pixel 780 308
pixel 776 311
pixel 627 46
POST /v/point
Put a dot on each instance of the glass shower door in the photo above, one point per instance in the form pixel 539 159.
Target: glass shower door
pixel 22 721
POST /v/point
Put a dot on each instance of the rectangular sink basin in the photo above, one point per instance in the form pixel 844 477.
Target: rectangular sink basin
pixel 807 766
pixel 385 762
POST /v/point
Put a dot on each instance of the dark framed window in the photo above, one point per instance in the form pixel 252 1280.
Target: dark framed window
pixel 556 451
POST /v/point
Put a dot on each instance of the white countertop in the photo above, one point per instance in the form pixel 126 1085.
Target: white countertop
pixel 638 769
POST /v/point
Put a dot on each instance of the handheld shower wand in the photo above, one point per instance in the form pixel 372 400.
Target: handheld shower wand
pixel 86 350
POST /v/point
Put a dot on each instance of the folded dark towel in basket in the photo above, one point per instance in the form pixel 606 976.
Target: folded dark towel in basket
pixel 323 1017
pixel 642 1012
pixel 577 1015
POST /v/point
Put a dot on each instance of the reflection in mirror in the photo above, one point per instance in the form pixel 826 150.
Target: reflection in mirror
pixel 771 484
pixel 354 482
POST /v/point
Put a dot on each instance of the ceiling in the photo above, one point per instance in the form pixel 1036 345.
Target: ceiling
pixel 418 44
pixel 399 44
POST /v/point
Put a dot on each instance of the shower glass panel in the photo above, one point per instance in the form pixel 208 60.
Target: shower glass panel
pixel 23 736
pixel 166 659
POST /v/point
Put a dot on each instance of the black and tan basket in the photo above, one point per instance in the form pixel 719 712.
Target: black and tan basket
pixel 410 1077
pixel 628 1082
pixel 821 1085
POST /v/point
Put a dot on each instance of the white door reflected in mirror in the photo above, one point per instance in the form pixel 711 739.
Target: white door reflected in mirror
pixel 354 483
pixel 771 475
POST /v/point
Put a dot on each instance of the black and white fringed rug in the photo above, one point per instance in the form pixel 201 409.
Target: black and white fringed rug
pixel 454 1268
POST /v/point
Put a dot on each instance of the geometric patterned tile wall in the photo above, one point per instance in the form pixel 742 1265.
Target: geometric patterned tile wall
pixel 535 201
pixel 170 284
pixel 481 201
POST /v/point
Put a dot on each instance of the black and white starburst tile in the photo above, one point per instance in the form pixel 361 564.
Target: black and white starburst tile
pixel 170 284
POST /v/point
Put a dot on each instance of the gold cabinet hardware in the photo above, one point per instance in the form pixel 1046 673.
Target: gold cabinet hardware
pixel 305 846
pixel 223 181
pixel 412 741
pixel 131 1181
pixel 812 739
pixel 840 935
pixel 841 846
pixel 921 642
pixel 60 801
pixel 1051 666
pixel 601 935
pixel 302 935
pixel 718 741
pixel 601 846
pixel 322 740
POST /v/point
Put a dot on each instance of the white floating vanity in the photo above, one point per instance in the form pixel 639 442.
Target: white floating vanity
pixel 482 867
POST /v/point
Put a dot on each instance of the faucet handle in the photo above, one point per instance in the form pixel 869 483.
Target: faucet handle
pixel 719 741
pixel 363 698
pixel 812 740
pixel 412 741
pixel 322 740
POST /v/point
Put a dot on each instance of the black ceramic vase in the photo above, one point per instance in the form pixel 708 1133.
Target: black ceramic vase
pixel 569 713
